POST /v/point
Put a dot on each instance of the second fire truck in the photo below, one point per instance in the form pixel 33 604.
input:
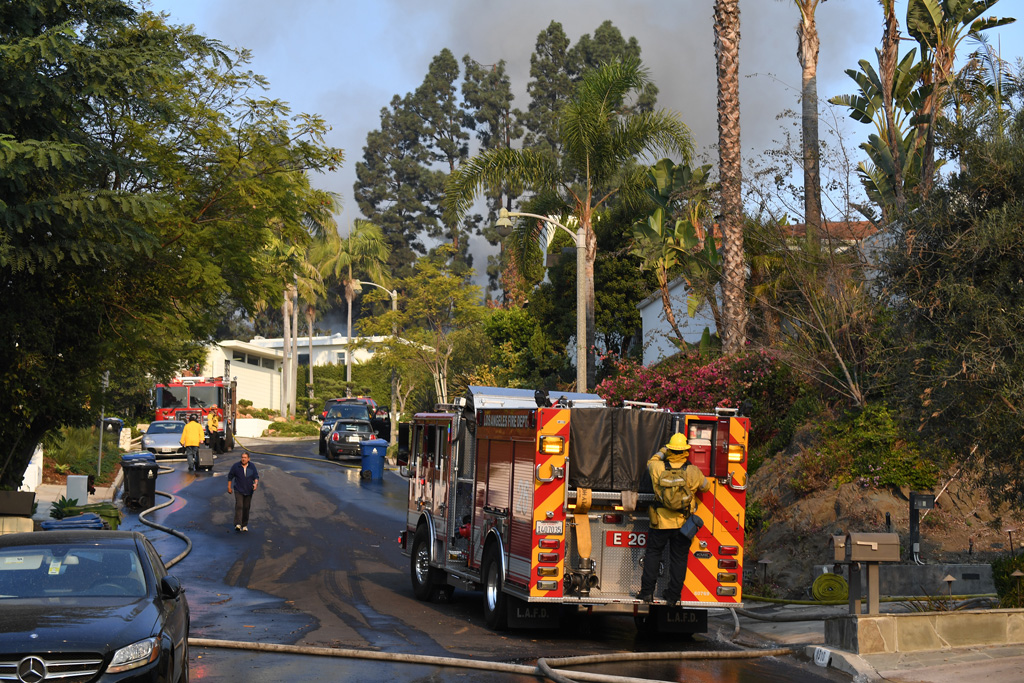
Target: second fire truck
pixel 542 506
pixel 185 397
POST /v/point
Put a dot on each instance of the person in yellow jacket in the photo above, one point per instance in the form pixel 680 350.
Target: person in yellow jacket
pixel 212 431
pixel 676 483
pixel 191 438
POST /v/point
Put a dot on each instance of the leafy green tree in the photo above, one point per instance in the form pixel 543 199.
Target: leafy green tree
pixel 363 252
pixel 894 158
pixel 389 184
pixel 673 239
pixel 438 321
pixel 601 139
pixel 141 175
pixel 487 92
pixel 551 87
pixel 940 26
pixel 954 281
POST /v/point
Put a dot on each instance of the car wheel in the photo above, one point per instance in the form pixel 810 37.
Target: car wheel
pixel 495 600
pixel 424 577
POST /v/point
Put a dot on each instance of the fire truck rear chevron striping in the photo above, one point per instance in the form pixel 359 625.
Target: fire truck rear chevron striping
pixel 545 506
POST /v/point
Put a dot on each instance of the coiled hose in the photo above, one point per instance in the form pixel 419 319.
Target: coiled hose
pixel 830 586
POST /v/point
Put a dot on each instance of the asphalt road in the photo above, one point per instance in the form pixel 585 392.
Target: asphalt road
pixel 321 567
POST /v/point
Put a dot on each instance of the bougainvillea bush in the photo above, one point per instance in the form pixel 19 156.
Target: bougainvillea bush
pixel 691 382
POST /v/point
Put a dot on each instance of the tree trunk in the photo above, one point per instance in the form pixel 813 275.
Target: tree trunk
pixel 294 388
pixel 285 344
pixel 591 257
pixel 888 56
pixel 666 303
pixel 309 322
pixel 727 49
pixel 807 53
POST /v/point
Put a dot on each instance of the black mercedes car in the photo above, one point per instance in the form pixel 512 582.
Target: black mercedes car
pixel 82 605
pixel 343 441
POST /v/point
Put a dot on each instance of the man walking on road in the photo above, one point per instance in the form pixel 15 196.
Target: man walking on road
pixel 191 437
pixel 242 481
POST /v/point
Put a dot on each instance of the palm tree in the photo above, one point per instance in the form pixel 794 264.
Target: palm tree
pixel 364 251
pixel 727 57
pixel 807 53
pixel 939 28
pixel 601 140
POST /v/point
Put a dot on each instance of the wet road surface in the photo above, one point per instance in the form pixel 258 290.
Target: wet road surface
pixel 321 567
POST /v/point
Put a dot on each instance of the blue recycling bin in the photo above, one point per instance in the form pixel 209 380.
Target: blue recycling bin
pixel 86 520
pixel 373 452
pixel 138 456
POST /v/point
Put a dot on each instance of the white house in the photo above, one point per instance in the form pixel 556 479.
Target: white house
pixel 656 330
pixel 257 370
pixel 256 364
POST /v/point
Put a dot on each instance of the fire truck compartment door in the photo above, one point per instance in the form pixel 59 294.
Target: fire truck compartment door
pixel 609 448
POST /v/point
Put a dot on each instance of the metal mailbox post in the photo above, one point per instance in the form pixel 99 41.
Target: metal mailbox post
pixel 869 550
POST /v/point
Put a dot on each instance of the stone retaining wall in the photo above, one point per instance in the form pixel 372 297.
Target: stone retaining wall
pixel 924 631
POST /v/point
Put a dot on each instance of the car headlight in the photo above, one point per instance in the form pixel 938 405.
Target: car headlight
pixel 135 655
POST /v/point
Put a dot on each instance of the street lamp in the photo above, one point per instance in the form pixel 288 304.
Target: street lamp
pixel 504 228
pixel 393 293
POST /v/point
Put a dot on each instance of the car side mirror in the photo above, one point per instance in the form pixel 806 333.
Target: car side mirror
pixel 403 471
pixel 170 587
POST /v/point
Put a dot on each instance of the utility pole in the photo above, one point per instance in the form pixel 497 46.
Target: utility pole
pixel 103 407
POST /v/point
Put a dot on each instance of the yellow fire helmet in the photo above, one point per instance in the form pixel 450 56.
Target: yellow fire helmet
pixel 678 443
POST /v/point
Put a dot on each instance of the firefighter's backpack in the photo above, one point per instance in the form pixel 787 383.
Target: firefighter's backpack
pixel 675 494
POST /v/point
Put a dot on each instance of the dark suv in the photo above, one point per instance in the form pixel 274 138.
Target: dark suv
pixel 378 416
pixel 342 409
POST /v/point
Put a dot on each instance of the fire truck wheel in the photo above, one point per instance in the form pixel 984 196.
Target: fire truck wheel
pixel 495 600
pixel 424 577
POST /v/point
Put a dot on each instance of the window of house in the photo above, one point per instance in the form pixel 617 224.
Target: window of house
pixel 238 356
pixel 303 359
pixel 341 358
pixel 252 360
pixel 268 363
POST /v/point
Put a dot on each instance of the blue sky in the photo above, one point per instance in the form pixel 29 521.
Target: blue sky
pixel 345 59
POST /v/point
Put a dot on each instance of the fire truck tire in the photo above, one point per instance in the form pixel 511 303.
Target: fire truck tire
pixel 424 577
pixel 495 600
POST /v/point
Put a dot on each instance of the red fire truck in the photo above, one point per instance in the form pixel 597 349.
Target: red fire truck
pixel 542 506
pixel 185 397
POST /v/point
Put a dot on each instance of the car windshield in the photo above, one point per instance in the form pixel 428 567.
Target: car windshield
pixel 165 428
pixel 41 571
pixel 343 410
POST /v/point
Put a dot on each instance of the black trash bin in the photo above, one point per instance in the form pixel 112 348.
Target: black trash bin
pixel 140 484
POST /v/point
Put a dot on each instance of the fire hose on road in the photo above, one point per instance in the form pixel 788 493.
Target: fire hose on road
pixel 542 669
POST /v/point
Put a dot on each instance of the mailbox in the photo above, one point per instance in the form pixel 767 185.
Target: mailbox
pixel 838 548
pixel 863 547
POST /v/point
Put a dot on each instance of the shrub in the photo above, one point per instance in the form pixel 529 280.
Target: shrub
pixel 297 428
pixel 72 450
pixel 866 446
pixel 690 382
pixel 1009 587
pixel 244 403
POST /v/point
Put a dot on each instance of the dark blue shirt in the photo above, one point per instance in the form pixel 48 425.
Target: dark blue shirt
pixel 243 481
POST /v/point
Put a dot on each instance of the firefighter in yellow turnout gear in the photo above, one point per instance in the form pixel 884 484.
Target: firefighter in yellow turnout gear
pixel 676 484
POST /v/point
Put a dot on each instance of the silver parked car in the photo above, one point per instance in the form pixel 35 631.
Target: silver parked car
pixel 163 438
